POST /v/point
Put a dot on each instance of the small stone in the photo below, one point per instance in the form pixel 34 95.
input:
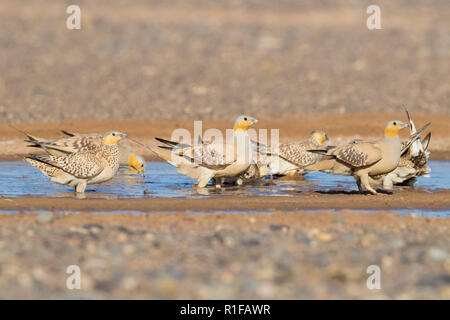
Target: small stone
pixel 251 241
pixel 229 242
pixel 279 227
pixel 149 237
pixel 168 286
pixel 128 250
pixel 91 247
pixel 397 243
pixel 325 237
pixel 45 217
pixel 39 274
pixel 387 262
pixel 122 237
pixel 78 230
pixel 437 254
pixel 94 228
pixel 130 283
pixel 321 261
pixel 301 237
pixel 368 239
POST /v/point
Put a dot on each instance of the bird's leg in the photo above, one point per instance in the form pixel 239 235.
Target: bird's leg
pixel 365 181
pixel 204 178
pixel 81 186
pixel 218 183
pixel 388 182
pixel 358 183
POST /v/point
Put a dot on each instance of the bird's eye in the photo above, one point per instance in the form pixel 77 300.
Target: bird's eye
pixel 395 123
pixel 245 118
pixel 114 134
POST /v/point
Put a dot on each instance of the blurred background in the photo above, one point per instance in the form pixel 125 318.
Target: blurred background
pixel 205 59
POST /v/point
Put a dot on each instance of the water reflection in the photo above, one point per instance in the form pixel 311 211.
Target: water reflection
pixel 19 179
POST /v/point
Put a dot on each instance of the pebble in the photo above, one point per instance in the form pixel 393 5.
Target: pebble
pixel 45 217
pixel 323 236
pixel 437 254
pixel 398 243
pixel 128 250
pixel 301 237
pixel 94 228
pixel 251 241
pixel 130 283
pixel 368 239
pixel 78 230
pixel 279 227
pixel 122 237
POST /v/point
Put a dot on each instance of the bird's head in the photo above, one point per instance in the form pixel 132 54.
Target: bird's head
pixel 136 162
pixel 319 136
pixel 393 127
pixel 113 137
pixel 242 123
pixel 264 170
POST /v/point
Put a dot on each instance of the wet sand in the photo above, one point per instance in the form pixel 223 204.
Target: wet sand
pixel 301 200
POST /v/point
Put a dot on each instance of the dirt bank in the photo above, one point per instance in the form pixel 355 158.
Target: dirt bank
pixel 340 128
pixel 304 200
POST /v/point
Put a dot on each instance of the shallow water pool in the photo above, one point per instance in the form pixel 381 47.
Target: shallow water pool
pixel 19 179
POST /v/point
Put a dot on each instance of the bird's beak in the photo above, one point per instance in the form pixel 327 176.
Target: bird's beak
pixel 123 135
pixel 255 121
pixel 263 171
pixel 404 125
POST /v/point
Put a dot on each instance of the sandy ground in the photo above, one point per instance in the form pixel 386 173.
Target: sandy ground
pixel 149 67
pixel 202 59
pixel 216 256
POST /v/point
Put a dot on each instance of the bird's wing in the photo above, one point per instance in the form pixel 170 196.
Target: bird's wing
pixel 72 144
pixel 209 155
pixel 297 153
pixel 214 155
pixel 358 154
pixel 83 165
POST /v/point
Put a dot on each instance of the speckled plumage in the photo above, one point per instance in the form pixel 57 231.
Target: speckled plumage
pixel 210 159
pixel 96 164
pixel 413 162
pixel 76 142
pixel 292 157
pixel 297 153
pixel 364 159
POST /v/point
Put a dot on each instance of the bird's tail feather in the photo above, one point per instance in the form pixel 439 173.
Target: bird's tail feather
pixel 318 151
pixel 172 143
pixel 67 133
pixel 426 141
pixel 413 137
